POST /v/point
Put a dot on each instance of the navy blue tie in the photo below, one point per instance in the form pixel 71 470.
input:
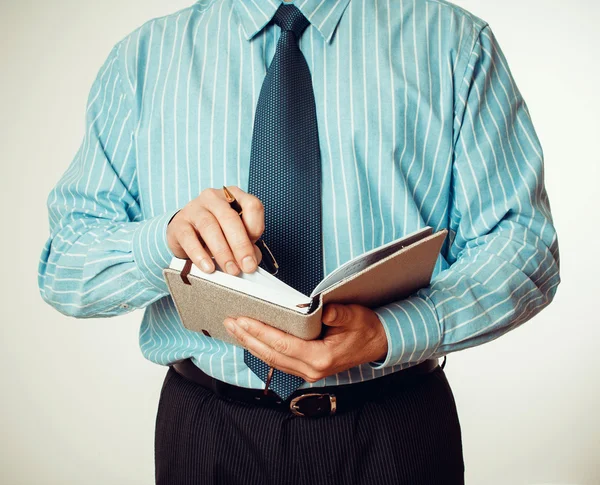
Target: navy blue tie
pixel 285 173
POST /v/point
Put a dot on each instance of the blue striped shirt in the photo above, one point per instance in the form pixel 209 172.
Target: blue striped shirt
pixel 420 123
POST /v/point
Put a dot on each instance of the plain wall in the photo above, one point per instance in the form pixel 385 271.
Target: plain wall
pixel 78 400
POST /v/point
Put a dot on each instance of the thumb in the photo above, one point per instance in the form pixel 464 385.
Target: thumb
pixel 337 315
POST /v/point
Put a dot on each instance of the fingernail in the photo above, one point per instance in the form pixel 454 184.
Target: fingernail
pixel 229 324
pixel 248 264
pixel 231 268
pixel 206 265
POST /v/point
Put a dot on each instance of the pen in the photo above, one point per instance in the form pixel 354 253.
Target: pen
pixel 267 256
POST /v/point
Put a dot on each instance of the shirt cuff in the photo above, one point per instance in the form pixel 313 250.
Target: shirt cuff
pixel 412 329
pixel 151 250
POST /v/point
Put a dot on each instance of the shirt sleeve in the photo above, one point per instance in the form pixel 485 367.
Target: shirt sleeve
pixel 102 258
pixel 503 254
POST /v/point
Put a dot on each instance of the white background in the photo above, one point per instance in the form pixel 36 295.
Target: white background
pixel 78 400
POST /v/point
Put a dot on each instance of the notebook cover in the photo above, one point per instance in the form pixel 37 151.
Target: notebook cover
pixel 203 305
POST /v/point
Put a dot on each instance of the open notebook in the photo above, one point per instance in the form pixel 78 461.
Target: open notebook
pixel 383 274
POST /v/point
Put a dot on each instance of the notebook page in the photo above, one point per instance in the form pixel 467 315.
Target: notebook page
pixel 260 284
pixel 365 260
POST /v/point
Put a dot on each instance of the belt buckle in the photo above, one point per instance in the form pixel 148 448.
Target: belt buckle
pixel 316 410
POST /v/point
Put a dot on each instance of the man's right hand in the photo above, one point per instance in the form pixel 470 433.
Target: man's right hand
pixel 208 226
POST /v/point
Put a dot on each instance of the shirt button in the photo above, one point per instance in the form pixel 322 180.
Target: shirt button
pixel 125 306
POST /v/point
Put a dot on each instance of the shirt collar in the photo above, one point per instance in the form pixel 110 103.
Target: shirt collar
pixel 324 15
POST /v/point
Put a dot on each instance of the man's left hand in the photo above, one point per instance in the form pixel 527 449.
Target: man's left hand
pixel 354 336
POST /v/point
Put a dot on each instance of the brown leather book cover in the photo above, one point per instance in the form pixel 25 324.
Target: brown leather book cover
pixel 203 305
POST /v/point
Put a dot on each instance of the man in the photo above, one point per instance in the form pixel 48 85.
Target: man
pixel 419 123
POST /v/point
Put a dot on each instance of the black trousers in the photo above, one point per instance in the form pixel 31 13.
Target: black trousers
pixel 411 436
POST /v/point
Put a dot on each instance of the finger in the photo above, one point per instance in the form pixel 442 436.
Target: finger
pixel 234 231
pixel 316 357
pixel 289 370
pixel 337 315
pixel 188 240
pixel 281 342
pixel 253 212
pixel 265 353
pixel 237 239
pixel 210 231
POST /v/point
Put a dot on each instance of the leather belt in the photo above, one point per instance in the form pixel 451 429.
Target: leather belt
pixel 308 402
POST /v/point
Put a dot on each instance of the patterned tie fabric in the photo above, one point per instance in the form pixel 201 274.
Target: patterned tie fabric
pixel 285 173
